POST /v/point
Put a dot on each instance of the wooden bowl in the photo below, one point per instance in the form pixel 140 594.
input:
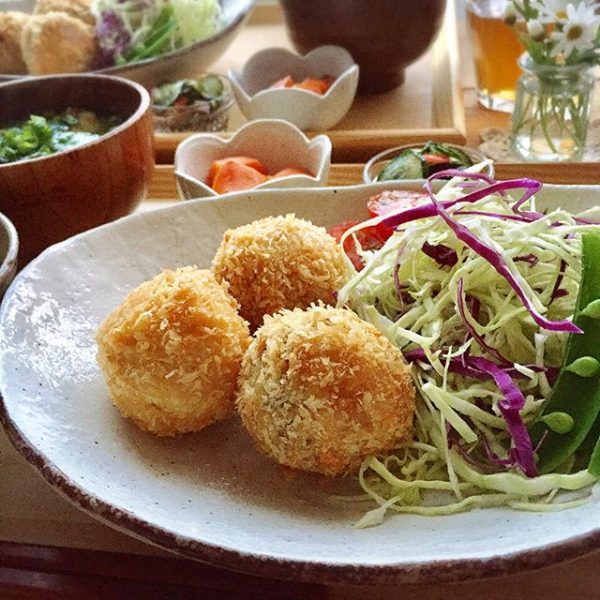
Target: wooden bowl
pixel 52 198
pixel 383 36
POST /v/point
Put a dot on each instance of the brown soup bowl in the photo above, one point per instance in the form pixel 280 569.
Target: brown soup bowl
pixel 54 197
pixel 383 36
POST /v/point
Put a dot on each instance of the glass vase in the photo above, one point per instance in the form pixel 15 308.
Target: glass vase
pixel 552 109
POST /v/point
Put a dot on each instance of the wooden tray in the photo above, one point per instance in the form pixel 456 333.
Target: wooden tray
pixel 427 106
pixel 163 189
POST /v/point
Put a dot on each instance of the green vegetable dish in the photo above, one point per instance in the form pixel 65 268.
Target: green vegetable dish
pixel 208 90
pixel 43 135
pixel 420 163
pixel 192 104
pixel 497 306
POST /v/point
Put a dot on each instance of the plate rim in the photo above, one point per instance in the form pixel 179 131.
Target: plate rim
pixel 439 571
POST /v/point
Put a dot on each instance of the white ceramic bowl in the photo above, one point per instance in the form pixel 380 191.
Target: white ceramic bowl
pixel 211 495
pixel 374 165
pixel 9 250
pixel 300 107
pixel 277 144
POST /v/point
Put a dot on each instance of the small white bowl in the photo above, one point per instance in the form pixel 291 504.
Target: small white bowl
pixel 304 109
pixel 9 250
pixel 275 143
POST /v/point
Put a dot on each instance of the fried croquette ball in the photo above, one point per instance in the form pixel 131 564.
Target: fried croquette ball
pixel 11 57
pixel 171 352
pixel 79 9
pixel 321 390
pixel 57 43
pixel 279 262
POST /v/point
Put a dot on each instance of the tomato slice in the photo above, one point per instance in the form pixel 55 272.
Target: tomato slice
pixel 393 201
pixel 435 159
pixel 369 238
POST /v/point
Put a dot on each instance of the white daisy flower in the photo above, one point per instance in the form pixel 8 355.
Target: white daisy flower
pixel 536 30
pixel 579 30
pixel 554 10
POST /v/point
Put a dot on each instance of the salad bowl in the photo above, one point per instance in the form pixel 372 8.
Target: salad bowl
pixel 184 63
pixel 210 496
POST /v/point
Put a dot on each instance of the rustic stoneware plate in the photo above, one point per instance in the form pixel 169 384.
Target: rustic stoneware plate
pixel 210 495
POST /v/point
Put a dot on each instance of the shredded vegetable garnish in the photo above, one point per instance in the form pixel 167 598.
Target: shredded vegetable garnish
pixel 133 30
pixel 478 290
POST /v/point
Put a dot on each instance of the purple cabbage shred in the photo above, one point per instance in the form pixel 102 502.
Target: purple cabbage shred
pixel 492 256
pixel 113 39
pixel 510 407
pixel 443 255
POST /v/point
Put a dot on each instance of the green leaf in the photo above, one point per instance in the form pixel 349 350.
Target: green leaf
pixel 572 394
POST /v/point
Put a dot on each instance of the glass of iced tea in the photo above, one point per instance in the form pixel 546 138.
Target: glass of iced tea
pixel 496 49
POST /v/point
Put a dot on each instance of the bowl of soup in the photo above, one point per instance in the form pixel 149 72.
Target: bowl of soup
pixel 383 36
pixel 75 152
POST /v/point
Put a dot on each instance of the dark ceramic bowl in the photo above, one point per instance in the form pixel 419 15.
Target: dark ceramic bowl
pixel 383 36
pixel 54 197
pixel 9 249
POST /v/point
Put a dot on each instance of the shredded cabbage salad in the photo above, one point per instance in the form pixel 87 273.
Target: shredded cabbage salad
pixel 477 289
pixel 133 30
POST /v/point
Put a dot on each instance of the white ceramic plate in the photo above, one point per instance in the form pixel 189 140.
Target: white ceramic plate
pixel 210 495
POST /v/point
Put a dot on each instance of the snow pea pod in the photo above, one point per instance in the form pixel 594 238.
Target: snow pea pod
pixel 574 394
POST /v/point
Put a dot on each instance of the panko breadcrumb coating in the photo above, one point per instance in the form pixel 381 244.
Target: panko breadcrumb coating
pixel 11 57
pixel 171 352
pixel 321 390
pixel 57 43
pixel 79 9
pixel 279 262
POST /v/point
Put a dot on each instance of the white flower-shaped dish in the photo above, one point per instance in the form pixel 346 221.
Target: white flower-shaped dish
pixel 304 109
pixel 275 143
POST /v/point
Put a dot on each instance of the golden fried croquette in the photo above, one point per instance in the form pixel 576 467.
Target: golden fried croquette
pixel 171 352
pixel 321 390
pixel 79 9
pixel 11 57
pixel 57 43
pixel 279 262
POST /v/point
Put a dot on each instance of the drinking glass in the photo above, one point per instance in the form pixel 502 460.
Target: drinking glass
pixel 496 50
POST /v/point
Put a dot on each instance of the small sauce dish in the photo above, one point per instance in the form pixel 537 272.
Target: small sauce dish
pixel 200 104
pixel 277 144
pixel 376 164
pixel 305 109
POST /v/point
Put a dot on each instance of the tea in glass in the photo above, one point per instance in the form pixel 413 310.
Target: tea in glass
pixel 496 49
